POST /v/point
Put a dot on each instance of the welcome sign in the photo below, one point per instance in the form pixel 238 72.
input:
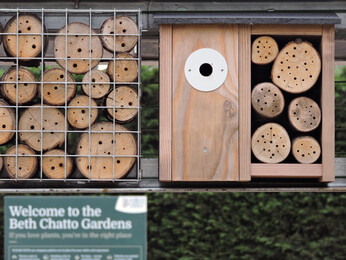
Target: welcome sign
pixel 75 228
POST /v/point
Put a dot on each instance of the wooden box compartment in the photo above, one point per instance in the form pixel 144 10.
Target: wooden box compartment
pixel 206 136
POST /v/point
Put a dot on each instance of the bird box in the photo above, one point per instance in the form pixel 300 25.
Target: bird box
pixel 231 89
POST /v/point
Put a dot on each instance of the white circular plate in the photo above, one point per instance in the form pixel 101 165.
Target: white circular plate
pixel 206 69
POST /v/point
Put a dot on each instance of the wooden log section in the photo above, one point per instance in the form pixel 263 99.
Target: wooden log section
pixel 79 117
pixel 8 122
pixel 264 50
pixel 78 48
pixel 29 46
pixel 54 94
pixel 306 149
pixel 26 165
pixel 26 91
pixel 1 163
pixel 124 97
pixel 267 100
pixel 304 114
pixel 123 25
pixel 1 31
pixel 271 143
pixel 103 144
pixel 96 90
pixel 125 70
pixel 53 120
pixel 54 166
pixel 297 67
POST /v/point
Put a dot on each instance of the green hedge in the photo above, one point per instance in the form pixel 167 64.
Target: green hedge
pixel 247 226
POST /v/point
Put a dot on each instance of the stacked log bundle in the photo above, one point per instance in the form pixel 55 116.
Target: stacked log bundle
pixel 120 103
pixel 53 123
pixel 295 69
pixel 42 129
pixel 29 46
pixel 54 93
pixel 24 167
pixel 81 118
pixel 25 91
pixel 123 43
pixel 99 84
pixel 106 144
pixel 80 57
pixel 54 165
pixel 8 122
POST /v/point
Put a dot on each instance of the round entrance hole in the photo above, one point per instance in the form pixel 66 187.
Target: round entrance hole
pixel 206 69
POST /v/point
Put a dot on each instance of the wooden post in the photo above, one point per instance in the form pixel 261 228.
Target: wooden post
pixel 125 70
pixel 124 25
pixel 79 117
pixel 78 46
pixel 53 120
pixel 104 144
pixel 96 91
pixel 54 94
pixel 29 46
pixel 54 166
pixel 26 165
pixel 26 91
pixel 124 97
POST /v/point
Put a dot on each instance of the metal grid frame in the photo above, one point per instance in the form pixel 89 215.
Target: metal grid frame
pixel 101 14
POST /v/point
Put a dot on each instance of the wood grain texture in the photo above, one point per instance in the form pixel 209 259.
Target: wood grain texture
pixel 286 29
pixel 205 124
pixel 286 170
pixel 165 163
pixel 264 50
pixel 244 102
pixel 54 167
pixel 327 104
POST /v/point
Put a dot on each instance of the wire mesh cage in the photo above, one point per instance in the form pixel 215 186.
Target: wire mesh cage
pixel 70 95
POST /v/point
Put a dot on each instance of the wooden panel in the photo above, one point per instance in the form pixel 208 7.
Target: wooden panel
pixel 165 103
pixel 286 170
pixel 205 124
pixel 286 29
pixel 244 102
pixel 327 103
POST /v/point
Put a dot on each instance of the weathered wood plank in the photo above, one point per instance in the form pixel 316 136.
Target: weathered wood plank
pixel 244 60
pixel 166 102
pixel 286 29
pixel 205 124
pixel 327 104
pixel 286 170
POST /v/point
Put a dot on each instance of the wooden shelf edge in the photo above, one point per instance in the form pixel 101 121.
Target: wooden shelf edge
pixel 286 170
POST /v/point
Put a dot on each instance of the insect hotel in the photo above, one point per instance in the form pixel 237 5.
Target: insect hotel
pixel 246 97
pixel 77 118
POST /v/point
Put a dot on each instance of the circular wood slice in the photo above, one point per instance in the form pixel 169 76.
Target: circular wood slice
pixel 79 117
pixel 264 50
pixel 78 46
pixel 267 100
pixel 54 94
pixel 125 70
pixel 53 120
pixel 306 149
pixel 297 67
pixel 124 97
pixel 26 91
pixel 304 114
pixel 29 46
pixel 96 90
pixel 8 122
pixel 26 165
pixel 54 166
pixel 102 144
pixel 1 31
pixel 123 25
pixel 271 143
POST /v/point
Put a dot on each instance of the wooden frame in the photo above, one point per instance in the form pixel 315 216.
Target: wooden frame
pixel 325 170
